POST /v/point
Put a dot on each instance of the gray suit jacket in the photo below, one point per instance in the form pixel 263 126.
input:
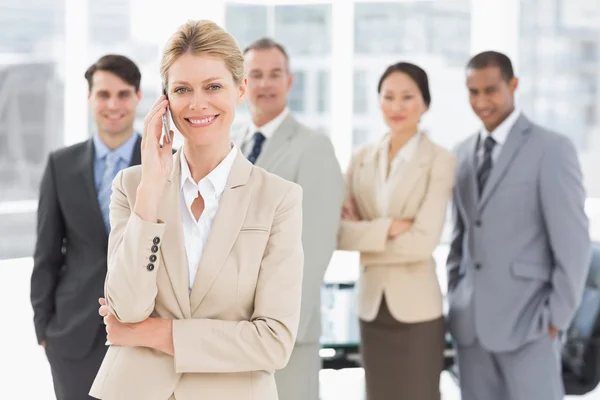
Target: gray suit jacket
pixel 519 255
pixel 69 263
pixel 301 155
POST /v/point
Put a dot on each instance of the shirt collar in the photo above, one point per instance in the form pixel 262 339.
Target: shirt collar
pixel 269 128
pixel 124 151
pixel 501 132
pixel 406 152
pixel 217 177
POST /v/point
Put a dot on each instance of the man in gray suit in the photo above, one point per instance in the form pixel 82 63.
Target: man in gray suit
pixel 277 142
pixel 72 229
pixel 520 247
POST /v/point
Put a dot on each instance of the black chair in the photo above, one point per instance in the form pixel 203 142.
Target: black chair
pixel 581 352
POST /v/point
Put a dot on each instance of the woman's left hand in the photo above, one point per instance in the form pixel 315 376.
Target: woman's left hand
pixel 156 333
pixel 118 333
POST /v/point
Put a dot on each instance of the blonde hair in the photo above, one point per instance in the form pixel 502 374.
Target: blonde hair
pixel 203 37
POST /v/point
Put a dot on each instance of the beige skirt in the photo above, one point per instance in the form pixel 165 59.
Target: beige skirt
pixel 402 361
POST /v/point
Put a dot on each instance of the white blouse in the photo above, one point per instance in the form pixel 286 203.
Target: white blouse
pixel 211 187
pixel 386 183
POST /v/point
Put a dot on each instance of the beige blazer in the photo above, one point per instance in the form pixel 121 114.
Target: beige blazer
pixel 240 321
pixel 403 268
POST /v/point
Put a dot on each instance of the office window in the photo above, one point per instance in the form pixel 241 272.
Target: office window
pixel 378 27
pixel 296 99
pixel 109 21
pixel 246 22
pixel 565 97
pixel 305 29
pixel 110 27
pixel 31 112
pixel 361 92
pixel 589 51
pixel 323 91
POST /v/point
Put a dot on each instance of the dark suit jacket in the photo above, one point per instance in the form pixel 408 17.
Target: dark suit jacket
pixel 70 254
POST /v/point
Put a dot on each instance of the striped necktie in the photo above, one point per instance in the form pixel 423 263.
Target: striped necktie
pixel 259 140
pixel 486 166
pixel 110 170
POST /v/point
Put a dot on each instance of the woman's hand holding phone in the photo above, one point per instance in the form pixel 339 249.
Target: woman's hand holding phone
pixel 157 163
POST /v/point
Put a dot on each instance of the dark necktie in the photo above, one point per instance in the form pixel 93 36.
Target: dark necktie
pixel 259 140
pixel 486 166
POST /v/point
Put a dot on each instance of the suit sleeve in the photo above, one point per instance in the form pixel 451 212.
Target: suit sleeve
pixel 418 243
pixel 455 252
pixel 563 207
pixel 322 182
pixel 456 243
pixel 361 235
pixel 48 258
pixel 265 342
pixel 130 287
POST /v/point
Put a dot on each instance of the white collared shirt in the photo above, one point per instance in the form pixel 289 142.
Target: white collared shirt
pixel 499 134
pixel 211 187
pixel 386 183
pixel 267 130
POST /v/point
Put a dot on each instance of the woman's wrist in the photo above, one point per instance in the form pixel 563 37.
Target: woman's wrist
pixel 155 333
pixel 146 203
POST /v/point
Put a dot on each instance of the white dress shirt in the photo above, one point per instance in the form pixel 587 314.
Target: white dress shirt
pixel 267 130
pixel 386 183
pixel 211 187
pixel 499 135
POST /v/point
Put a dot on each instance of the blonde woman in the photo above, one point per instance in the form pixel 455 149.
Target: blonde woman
pixel 398 192
pixel 205 256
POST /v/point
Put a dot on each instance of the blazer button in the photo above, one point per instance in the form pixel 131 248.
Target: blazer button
pixel 156 240
pixel 150 267
pixel 478 223
pixel 152 258
pixel 477 266
pixel 154 248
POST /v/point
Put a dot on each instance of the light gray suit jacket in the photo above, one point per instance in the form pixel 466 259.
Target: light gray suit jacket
pixel 519 256
pixel 306 157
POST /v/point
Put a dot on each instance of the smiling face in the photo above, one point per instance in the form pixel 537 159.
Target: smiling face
pixel 401 103
pixel 269 82
pixel 491 95
pixel 202 98
pixel 113 103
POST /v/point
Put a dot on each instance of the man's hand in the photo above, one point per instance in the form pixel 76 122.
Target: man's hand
pixel 155 333
pixel 552 331
pixel 399 226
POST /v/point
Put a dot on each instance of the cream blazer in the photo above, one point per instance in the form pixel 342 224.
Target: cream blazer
pixel 403 268
pixel 240 321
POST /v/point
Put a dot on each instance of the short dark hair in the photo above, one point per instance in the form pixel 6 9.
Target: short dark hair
pixel 416 73
pixel 266 43
pixel 119 65
pixel 493 59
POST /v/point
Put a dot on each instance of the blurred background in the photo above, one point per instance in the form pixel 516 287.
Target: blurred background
pixel 338 51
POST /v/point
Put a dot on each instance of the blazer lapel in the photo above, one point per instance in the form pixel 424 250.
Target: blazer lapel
pixel 508 152
pixel 86 166
pixel 471 190
pixel 413 172
pixel 225 228
pixel 365 188
pixel 173 248
pixel 136 156
pixel 272 150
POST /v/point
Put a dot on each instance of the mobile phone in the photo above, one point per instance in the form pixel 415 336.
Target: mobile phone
pixel 166 122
